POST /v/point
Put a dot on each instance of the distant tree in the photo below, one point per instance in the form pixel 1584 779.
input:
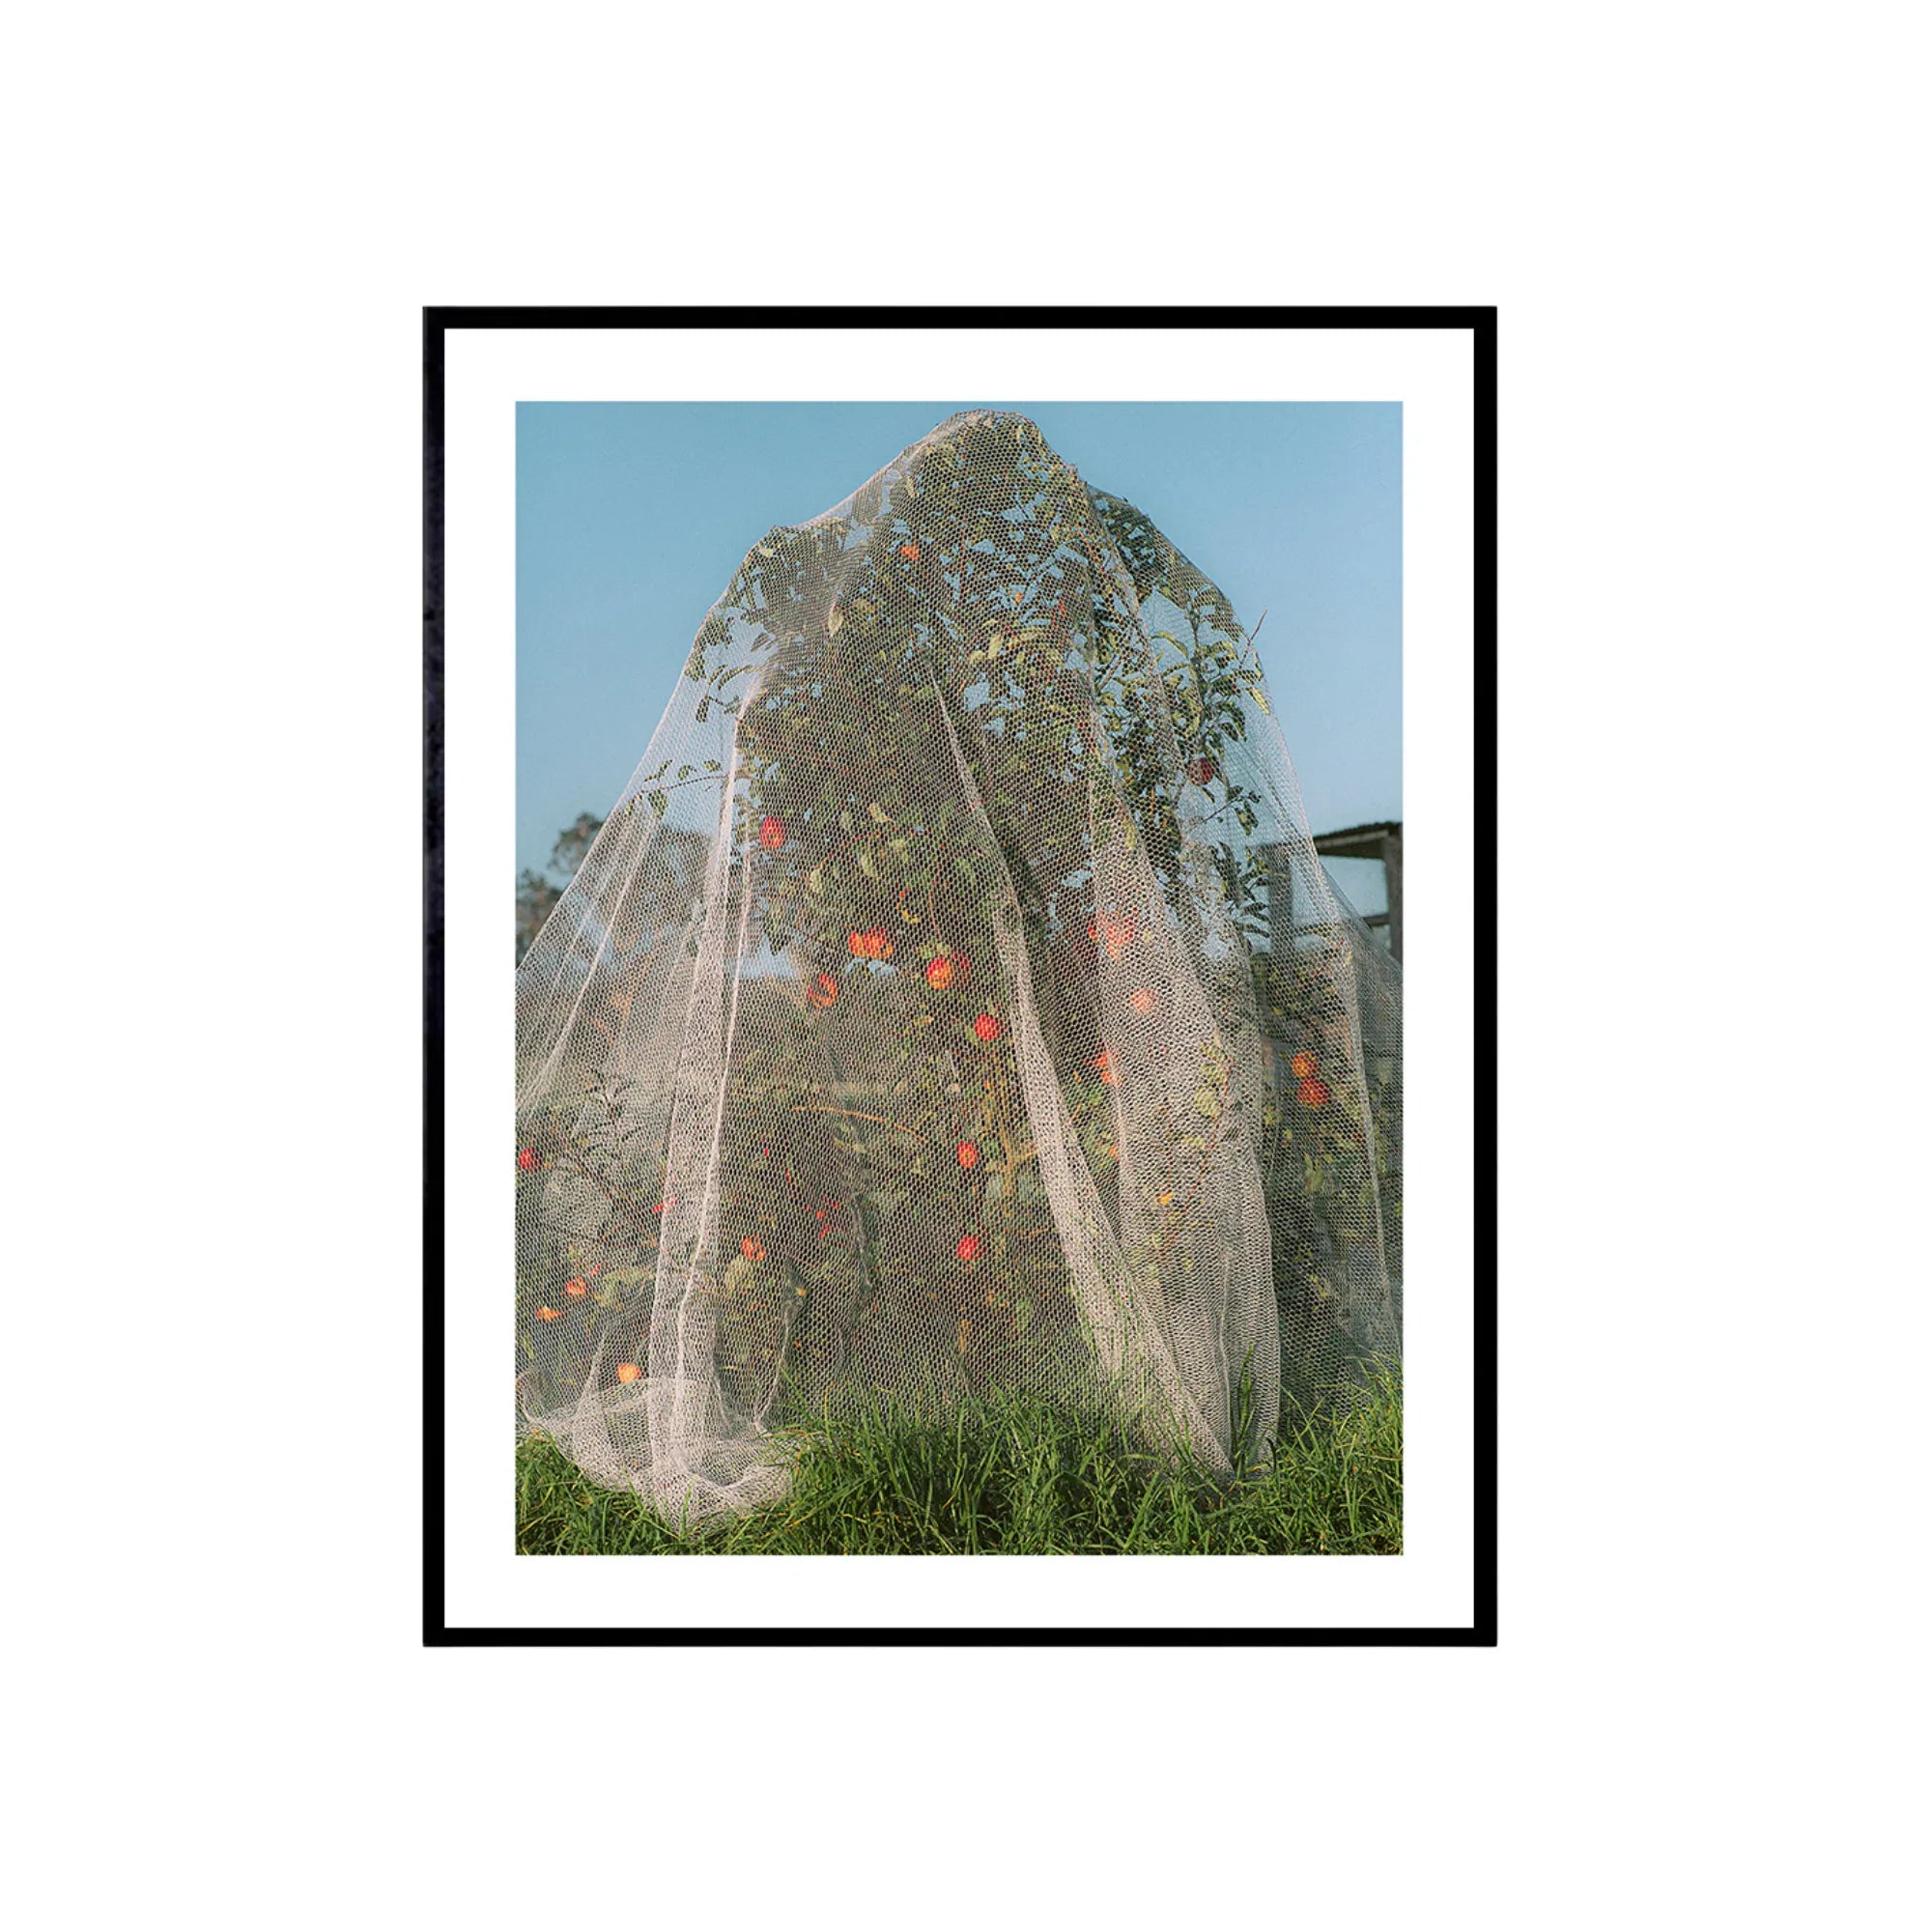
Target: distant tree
pixel 537 892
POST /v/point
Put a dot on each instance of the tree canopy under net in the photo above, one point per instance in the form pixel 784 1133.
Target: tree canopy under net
pixel 952 1003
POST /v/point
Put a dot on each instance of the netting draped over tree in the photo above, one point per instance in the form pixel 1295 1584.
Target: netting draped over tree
pixel 952 1003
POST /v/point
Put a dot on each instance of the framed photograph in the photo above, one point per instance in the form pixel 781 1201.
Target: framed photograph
pixel 1000 812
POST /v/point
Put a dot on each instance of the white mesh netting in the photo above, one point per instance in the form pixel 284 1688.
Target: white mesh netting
pixel 954 1002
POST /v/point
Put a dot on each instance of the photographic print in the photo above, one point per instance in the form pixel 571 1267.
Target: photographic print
pixel 959 980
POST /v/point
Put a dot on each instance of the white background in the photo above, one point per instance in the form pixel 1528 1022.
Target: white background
pixel 1430 1584
pixel 1700 222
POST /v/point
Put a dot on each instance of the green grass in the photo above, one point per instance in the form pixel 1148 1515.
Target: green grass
pixel 1014 1477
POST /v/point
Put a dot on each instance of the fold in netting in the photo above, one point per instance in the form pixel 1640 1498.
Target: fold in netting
pixel 952 1003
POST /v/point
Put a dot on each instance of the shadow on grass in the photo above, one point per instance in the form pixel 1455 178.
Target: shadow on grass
pixel 1011 1477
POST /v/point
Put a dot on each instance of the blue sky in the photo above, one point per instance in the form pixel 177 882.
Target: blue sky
pixel 632 519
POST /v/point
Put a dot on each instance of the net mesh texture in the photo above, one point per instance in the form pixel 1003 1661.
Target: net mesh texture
pixel 952 1003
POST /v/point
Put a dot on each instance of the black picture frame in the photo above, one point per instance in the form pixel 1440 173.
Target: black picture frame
pixel 1481 325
